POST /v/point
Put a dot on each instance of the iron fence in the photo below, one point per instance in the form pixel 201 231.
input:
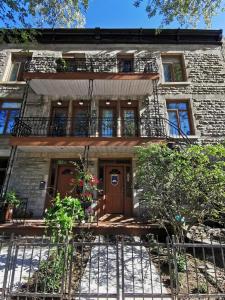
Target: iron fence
pixel 110 267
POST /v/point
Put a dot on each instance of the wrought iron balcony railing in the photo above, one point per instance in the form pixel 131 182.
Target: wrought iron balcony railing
pixel 95 127
pixel 93 64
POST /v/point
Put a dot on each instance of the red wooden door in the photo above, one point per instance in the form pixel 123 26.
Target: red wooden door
pixel 114 189
pixel 64 180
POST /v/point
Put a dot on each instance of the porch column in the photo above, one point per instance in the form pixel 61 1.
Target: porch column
pixel 136 205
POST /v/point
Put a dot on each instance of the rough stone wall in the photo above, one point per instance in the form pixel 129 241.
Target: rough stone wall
pixel 25 179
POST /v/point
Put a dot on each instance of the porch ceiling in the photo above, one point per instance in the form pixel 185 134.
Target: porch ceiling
pixel 80 88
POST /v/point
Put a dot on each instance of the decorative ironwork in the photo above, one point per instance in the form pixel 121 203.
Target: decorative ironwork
pixel 100 63
pixel 94 127
pixel 111 267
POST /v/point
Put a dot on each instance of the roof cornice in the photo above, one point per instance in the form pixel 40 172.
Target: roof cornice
pixel 120 36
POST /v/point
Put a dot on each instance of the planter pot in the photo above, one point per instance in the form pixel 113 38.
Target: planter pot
pixel 8 213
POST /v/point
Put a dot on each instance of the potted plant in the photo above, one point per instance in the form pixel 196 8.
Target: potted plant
pixel 11 202
pixel 61 65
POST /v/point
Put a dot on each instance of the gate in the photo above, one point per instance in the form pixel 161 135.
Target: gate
pixel 112 267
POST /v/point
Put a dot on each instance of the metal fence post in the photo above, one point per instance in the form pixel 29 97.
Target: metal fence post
pixel 7 265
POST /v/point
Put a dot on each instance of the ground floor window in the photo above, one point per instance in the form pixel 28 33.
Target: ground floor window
pixel 3 167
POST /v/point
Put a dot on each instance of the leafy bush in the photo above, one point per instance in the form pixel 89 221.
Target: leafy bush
pixel 182 187
pixel 61 217
pixel 12 199
pixel 181 263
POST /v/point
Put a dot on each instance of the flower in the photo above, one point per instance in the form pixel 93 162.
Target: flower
pixel 81 182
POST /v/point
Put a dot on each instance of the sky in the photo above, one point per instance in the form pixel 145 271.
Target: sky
pixel 122 13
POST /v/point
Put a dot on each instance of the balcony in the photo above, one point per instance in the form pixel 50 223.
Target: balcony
pixel 89 127
pixel 93 131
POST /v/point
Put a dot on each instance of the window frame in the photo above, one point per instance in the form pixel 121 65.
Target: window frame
pixel 122 57
pixel 8 114
pixel 21 59
pixel 180 59
pixel 188 110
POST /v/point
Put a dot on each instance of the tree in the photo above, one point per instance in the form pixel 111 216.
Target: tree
pixel 71 13
pixel 182 187
pixel 43 13
pixel 186 12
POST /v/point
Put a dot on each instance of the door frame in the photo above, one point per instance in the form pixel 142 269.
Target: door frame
pixel 119 163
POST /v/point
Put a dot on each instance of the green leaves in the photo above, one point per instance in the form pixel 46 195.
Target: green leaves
pixel 189 183
pixel 186 12
pixel 43 13
pixel 61 217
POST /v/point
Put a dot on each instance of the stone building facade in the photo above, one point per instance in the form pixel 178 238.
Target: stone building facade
pixel 136 87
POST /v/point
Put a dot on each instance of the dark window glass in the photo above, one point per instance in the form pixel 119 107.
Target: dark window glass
pixel 129 122
pixel 81 122
pixel 126 65
pixel 178 113
pixel 8 112
pixel 18 67
pixel 172 69
pixel 167 72
pixel 3 166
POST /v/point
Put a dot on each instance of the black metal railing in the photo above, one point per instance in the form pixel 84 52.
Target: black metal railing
pixel 90 127
pixel 111 267
pixel 94 64
pixel 151 127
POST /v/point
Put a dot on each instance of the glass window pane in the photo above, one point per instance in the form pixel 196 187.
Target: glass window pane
pixel 167 72
pixel 81 123
pixel 107 124
pixel 178 73
pixel 129 123
pixel 3 116
pixel 177 105
pixel 11 120
pixel 11 105
pixel 173 119
pixel 184 122
pixel 3 163
pixel 14 71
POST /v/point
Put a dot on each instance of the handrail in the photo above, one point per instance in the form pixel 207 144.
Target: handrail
pixel 154 127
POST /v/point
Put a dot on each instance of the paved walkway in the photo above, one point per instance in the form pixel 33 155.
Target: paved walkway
pixel 140 274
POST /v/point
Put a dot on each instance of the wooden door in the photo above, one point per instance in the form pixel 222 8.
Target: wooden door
pixel 58 124
pixel 64 185
pixel 114 189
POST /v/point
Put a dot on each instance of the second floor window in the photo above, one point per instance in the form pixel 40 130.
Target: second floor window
pixel 9 110
pixel 180 117
pixel 125 63
pixel 173 68
pixel 18 67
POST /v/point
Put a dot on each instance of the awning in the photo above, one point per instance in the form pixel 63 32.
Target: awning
pixel 101 87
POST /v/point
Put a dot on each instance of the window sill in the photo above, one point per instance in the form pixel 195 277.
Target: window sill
pixel 177 83
pixel 190 137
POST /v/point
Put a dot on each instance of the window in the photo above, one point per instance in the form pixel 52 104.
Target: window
pixel 3 167
pixel 9 110
pixel 180 117
pixel 75 62
pixel 125 63
pixel 173 68
pixel 18 67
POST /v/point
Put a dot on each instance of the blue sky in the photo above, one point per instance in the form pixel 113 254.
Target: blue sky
pixel 122 13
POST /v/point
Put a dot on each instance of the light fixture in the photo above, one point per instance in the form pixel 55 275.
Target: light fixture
pixel 107 102
pixel 59 102
pixel 81 102
pixel 129 102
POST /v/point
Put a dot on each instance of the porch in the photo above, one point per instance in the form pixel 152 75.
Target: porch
pixel 107 224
